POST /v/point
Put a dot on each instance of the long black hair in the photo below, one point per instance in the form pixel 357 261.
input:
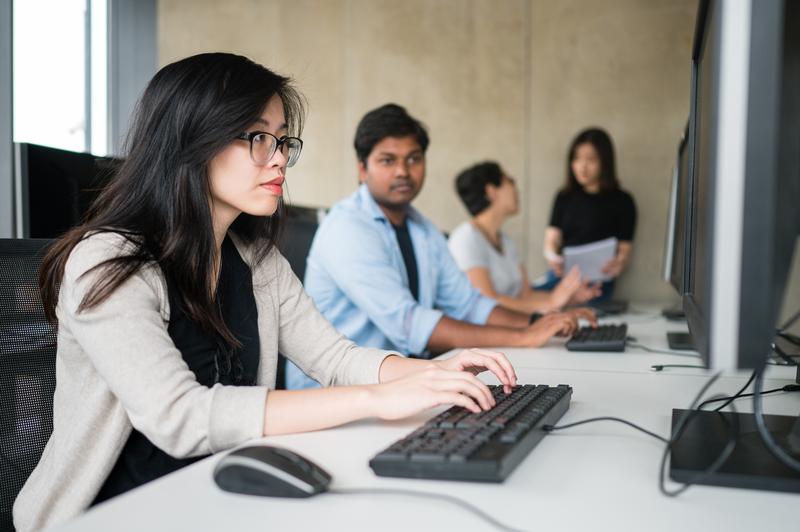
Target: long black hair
pixel 159 198
pixel 601 141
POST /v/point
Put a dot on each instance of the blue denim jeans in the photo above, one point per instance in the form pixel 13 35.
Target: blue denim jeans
pixel 551 280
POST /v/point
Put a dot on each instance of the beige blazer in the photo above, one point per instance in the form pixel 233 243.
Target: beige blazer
pixel 117 368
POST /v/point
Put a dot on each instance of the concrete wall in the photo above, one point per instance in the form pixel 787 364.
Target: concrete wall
pixel 511 80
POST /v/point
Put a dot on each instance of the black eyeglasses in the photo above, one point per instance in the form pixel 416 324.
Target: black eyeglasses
pixel 264 145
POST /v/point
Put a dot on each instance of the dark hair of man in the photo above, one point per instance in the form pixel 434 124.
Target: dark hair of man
pixel 159 198
pixel 601 141
pixel 471 185
pixel 390 120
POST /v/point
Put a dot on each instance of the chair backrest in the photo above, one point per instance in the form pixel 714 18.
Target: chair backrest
pixel 298 233
pixel 300 227
pixel 27 369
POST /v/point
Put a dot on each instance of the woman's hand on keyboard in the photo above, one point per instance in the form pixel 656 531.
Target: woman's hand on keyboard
pixel 477 361
pixel 429 388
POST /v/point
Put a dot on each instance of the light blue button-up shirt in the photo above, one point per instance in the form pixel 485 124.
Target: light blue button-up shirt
pixel 357 278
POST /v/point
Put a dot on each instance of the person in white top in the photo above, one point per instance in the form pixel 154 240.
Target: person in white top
pixel 488 256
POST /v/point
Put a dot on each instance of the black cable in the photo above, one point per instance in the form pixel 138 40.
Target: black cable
pixel 661 367
pixel 663 351
pixel 766 436
pixel 739 395
pixel 428 495
pixel 550 428
pixel 683 422
pixel 789 322
pixel 789 337
pixel 680 426
pixel 731 398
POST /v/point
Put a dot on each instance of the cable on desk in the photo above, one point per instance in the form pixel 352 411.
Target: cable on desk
pixel 680 427
pixel 551 428
pixel 766 436
pixel 730 399
pixel 740 394
pixel 787 388
pixel 428 495
pixel 662 367
pixel 662 351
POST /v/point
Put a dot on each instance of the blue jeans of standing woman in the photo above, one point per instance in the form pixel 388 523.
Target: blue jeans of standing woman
pixel 551 280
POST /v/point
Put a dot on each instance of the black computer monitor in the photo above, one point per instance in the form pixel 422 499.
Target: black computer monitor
pixel 746 178
pixel 745 117
pixel 54 188
pixel 675 263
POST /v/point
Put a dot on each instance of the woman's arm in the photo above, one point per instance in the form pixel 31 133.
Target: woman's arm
pixel 407 386
pixel 552 249
pixel 528 301
pixel 620 262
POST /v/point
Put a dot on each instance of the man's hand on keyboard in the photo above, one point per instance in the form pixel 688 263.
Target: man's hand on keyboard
pixel 549 325
pixel 584 313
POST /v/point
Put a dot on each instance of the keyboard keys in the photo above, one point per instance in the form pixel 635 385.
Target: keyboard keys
pixel 459 444
pixel 602 338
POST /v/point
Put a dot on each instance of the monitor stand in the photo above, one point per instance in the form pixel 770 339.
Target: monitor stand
pixel 673 313
pixel 751 465
pixel 680 341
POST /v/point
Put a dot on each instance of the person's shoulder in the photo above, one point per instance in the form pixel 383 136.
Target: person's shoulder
pixel 346 216
pixel 347 210
pixel 463 231
pixel 624 196
pixel 97 246
pixel 463 236
pixel 563 195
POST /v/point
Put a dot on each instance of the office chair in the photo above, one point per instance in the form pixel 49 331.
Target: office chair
pixel 27 369
pixel 300 227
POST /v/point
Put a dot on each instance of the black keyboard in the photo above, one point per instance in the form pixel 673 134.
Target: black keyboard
pixel 487 446
pixel 603 338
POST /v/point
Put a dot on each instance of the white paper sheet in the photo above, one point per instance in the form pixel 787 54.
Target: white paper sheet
pixel 590 258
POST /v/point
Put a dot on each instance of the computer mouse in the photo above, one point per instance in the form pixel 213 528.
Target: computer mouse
pixel 271 472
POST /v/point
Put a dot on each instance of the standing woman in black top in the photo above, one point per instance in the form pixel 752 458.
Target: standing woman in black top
pixel 590 207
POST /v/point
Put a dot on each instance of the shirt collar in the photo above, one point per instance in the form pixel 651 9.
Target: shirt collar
pixel 374 209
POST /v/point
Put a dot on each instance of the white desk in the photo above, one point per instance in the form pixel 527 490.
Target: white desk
pixel 601 476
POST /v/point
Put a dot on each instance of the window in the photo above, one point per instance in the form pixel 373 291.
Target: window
pixel 59 77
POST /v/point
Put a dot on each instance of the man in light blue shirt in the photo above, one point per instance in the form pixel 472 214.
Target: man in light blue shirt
pixel 382 273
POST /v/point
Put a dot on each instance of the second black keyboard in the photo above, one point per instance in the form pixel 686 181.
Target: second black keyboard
pixel 602 338
pixel 487 446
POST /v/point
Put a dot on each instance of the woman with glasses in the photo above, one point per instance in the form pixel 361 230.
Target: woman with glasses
pixel 172 303
pixel 590 207
pixel 488 256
